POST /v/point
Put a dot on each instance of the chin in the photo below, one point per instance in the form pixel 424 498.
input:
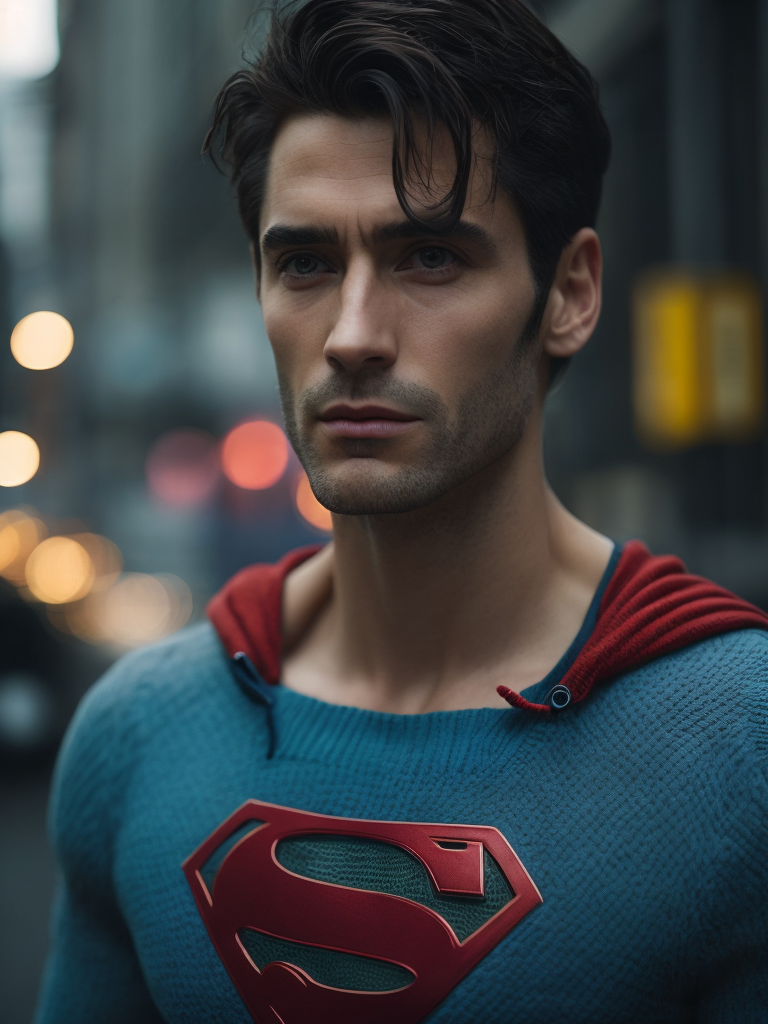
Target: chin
pixel 367 491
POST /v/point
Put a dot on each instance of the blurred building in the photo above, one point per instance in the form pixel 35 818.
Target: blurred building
pixel 683 84
pixel 155 271
pixel 109 216
pixel 138 244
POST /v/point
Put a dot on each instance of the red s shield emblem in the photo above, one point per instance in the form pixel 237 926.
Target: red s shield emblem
pixel 324 920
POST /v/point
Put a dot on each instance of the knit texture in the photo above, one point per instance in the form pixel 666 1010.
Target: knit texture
pixel 382 867
pixel 641 814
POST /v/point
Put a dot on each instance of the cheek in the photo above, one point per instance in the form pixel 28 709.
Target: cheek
pixel 296 339
pixel 477 340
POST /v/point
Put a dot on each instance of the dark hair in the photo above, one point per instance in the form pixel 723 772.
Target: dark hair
pixel 459 64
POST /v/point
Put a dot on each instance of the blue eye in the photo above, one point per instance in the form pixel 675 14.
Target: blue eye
pixel 434 257
pixel 303 266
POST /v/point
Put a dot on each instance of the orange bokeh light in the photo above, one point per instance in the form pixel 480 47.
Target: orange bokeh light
pixel 105 557
pixel 42 340
pixel 19 458
pixel 316 515
pixel 59 570
pixel 138 609
pixel 254 455
pixel 19 536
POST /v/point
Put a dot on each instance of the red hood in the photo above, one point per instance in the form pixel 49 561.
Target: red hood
pixel 651 607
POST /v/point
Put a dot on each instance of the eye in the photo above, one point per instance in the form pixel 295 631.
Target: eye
pixel 304 266
pixel 433 257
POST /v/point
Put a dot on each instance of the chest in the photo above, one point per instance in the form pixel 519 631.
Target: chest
pixel 321 891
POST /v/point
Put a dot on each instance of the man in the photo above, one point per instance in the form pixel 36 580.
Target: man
pixel 363 830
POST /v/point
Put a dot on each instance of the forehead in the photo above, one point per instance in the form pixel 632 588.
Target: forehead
pixel 325 163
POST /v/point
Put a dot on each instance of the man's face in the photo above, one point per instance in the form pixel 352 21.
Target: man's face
pixel 402 358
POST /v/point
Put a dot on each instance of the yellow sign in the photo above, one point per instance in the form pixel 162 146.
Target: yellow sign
pixel 698 359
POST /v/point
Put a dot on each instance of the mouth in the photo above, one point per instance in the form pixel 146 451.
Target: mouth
pixel 366 421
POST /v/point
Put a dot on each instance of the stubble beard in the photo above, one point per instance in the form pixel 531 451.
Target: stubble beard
pixel 489 422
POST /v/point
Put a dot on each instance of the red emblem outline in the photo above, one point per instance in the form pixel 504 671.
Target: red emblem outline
pixel 253 890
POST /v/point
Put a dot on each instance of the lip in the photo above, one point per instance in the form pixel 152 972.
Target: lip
pixel 342 411
pixel 366 421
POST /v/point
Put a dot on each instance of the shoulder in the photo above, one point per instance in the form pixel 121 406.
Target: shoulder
pixel 729 670
pixel 140 692
pixel 708 702
pixel 158 675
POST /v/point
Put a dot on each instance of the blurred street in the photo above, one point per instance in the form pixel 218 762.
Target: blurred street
pixel 27 868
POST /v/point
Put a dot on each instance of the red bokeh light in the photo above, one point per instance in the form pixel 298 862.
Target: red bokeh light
pixel 254 454
pixel 182 467
pixel 316 515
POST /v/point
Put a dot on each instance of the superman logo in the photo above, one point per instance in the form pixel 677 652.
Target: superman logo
pixel 338 921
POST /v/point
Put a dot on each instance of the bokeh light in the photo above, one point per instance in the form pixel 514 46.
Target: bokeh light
pixel 59 570
pixel 27 711
pixel 309 507
pixel 182 467
pixel 42 340
pixel 105 556
pixel 138 609
pixel 20 533
pixel 254 454
pixel 29 40
pixel 19 458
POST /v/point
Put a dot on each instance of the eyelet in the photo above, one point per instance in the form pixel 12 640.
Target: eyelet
pixel 559 697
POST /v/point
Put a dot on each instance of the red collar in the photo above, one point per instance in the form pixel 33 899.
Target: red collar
pixel 651 607
pixel 248 610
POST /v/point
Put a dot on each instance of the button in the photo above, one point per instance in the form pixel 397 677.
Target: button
pixel 559 697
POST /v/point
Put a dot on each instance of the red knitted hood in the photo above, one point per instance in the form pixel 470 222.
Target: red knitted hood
pixel 651 607
pixel 247 612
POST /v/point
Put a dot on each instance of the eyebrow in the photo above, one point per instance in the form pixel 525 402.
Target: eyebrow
pixel 281 235
pixel 407 229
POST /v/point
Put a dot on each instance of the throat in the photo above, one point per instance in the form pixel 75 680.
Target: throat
pixel 417 627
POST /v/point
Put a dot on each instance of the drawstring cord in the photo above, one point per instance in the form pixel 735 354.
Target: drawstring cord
pixel 253 686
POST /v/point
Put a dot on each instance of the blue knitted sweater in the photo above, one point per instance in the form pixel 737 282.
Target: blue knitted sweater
pixel 641 818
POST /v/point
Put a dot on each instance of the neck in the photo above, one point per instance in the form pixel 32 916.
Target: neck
pixel 433 608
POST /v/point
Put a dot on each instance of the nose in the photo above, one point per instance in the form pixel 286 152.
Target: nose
pixel 363 336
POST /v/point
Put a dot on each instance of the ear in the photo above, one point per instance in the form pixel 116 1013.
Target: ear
pixel 256 262
pixel 575 297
